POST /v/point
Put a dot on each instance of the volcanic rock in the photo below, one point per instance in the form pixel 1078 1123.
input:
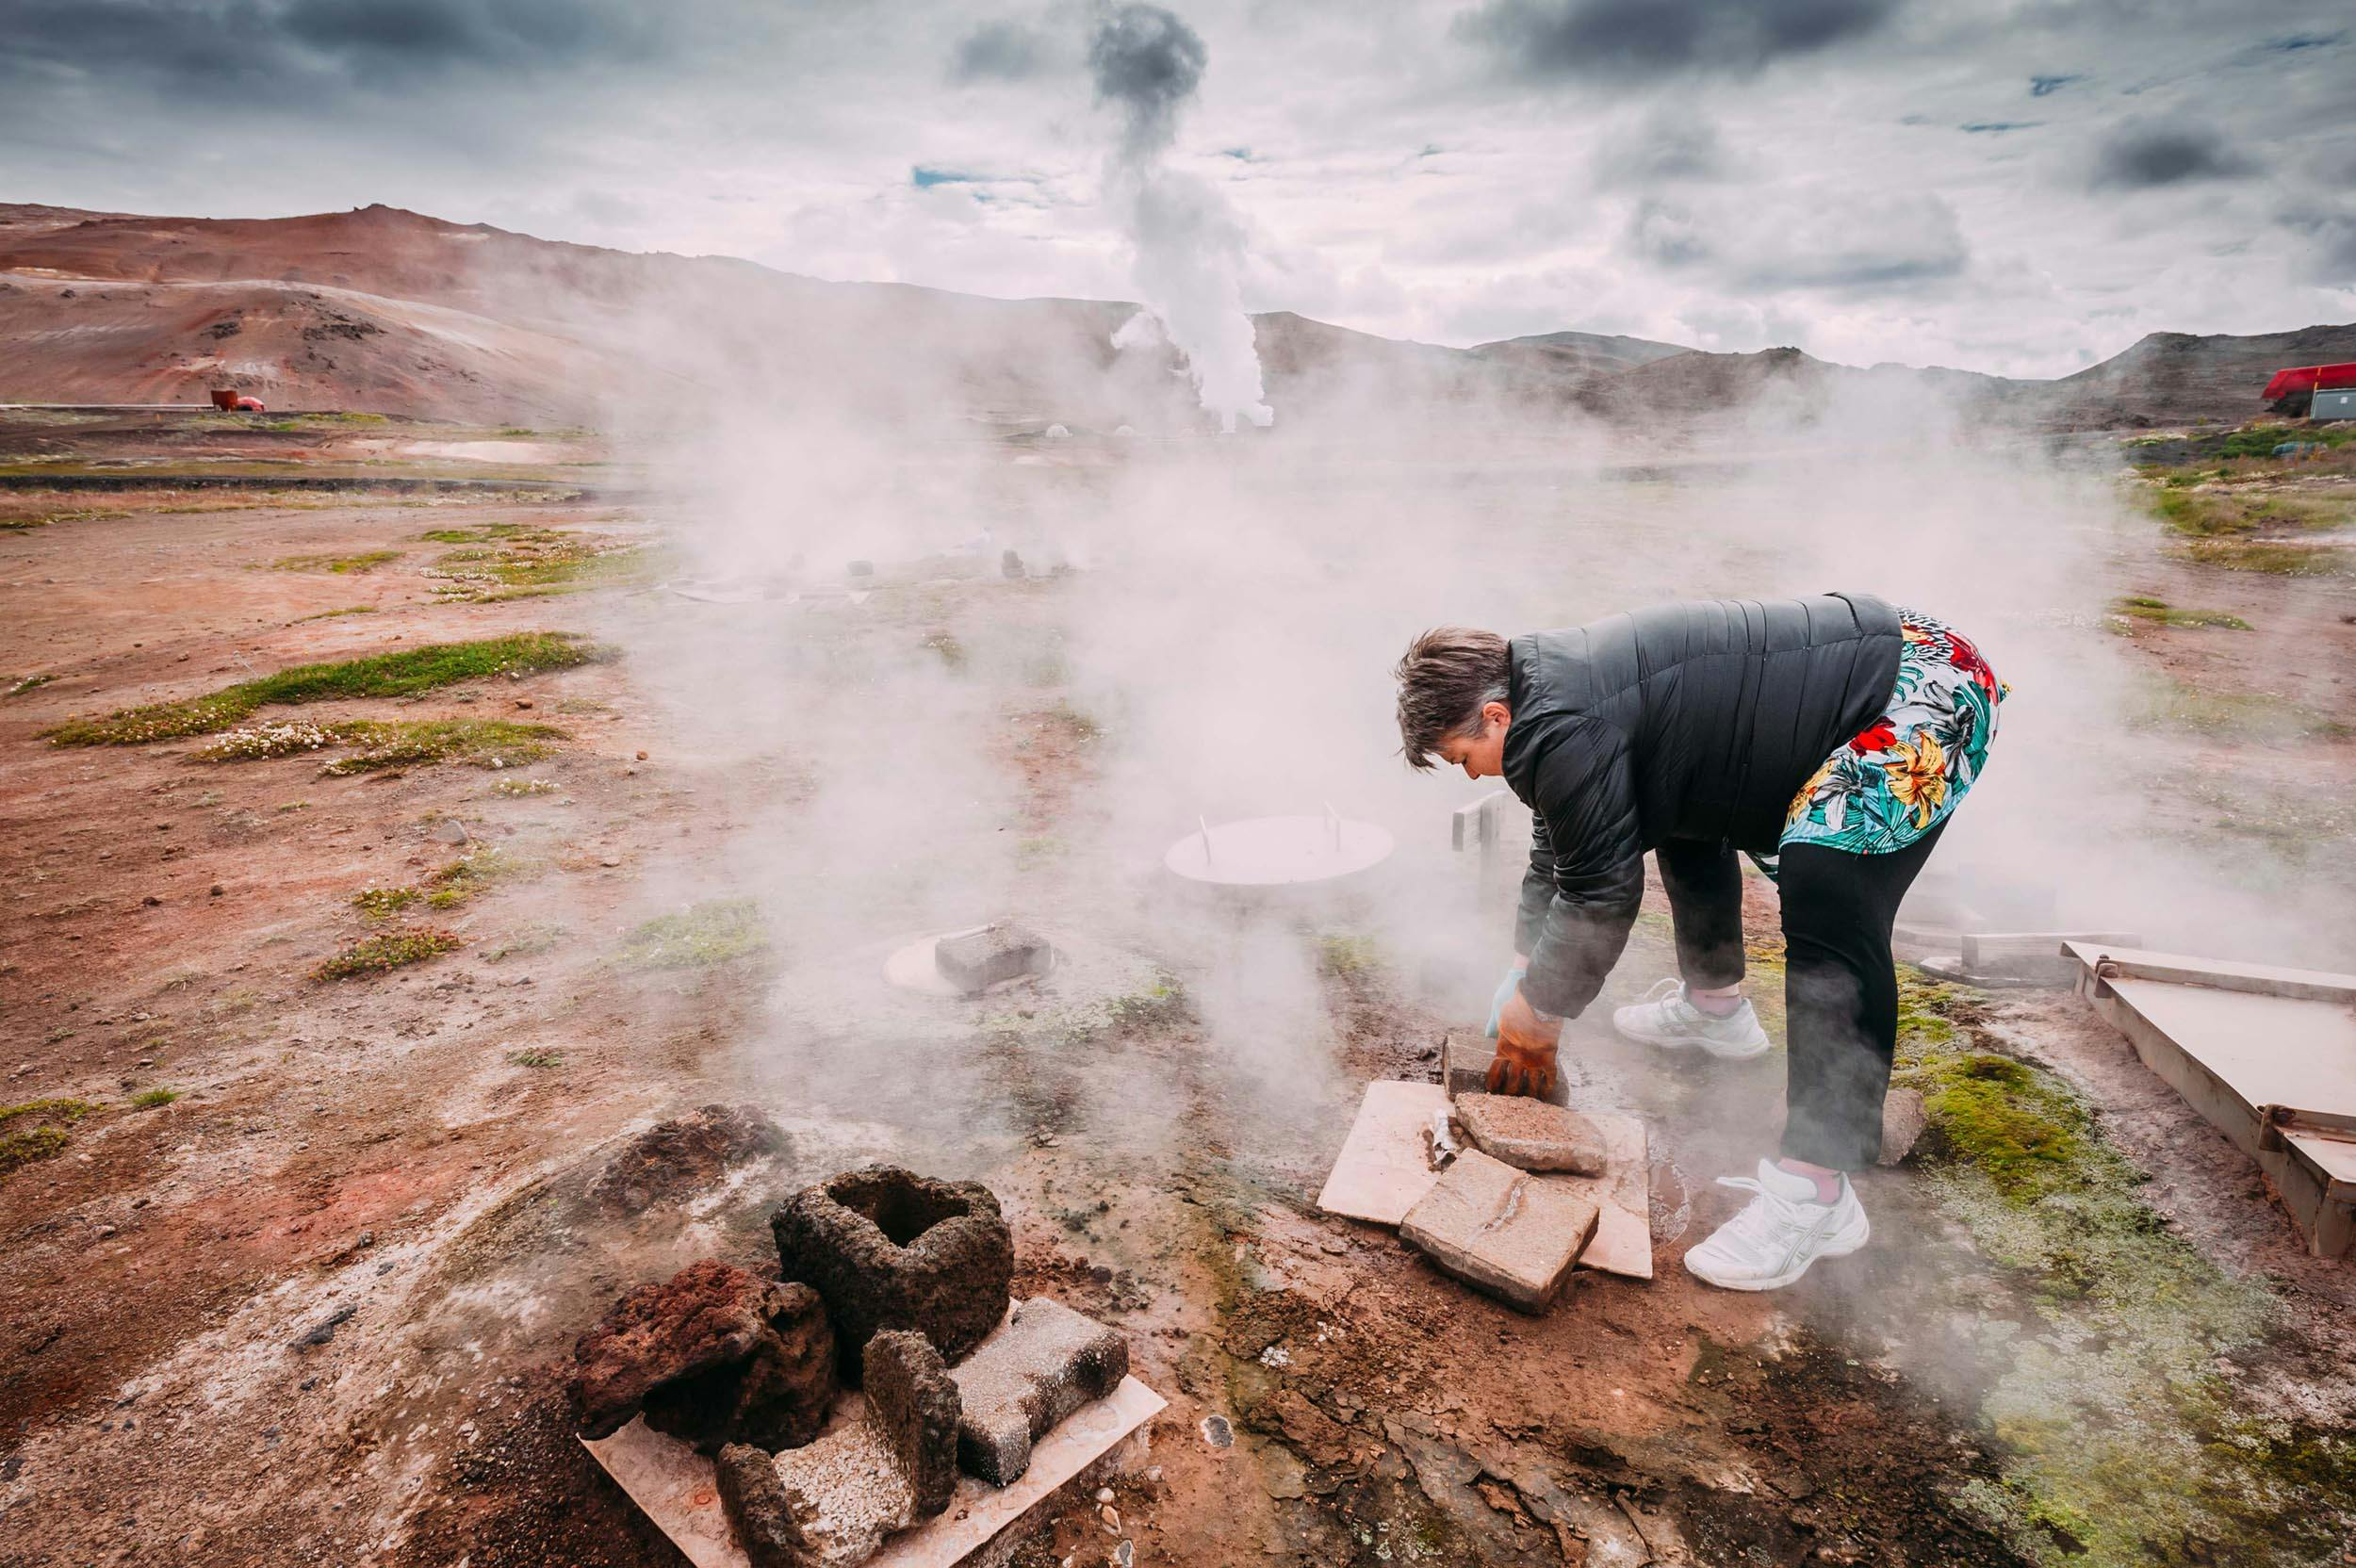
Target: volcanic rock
pixel 683 1155
pixel 889 1248
pixel 1531 1135
pixel 712 1356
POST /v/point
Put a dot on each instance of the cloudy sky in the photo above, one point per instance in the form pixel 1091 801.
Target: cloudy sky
pixel 2000 185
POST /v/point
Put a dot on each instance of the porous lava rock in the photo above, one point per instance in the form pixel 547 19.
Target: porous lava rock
pixel 682 1156
pixel 1531 1135
pixel 712 1356
pixel 833 1503
pixel 889 1248
pixel 758 1507
pixel 912 1397
pixel 1046 1363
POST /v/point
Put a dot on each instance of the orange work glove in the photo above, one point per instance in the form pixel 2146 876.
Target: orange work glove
pixel 1524 1063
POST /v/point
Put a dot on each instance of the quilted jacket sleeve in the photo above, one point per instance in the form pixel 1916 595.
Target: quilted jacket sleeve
pixel 1593 880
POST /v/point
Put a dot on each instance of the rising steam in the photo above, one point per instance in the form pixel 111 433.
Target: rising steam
pixel 1189 246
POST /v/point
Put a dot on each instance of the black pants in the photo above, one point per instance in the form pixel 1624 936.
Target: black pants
pixel 1840 983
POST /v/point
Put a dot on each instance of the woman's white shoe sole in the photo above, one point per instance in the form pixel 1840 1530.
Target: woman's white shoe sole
pixel 1839 1247
pixel 1692 1043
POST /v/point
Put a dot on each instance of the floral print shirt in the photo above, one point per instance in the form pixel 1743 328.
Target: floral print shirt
pixel 1900 777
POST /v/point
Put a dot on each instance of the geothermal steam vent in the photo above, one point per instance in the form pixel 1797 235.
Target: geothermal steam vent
pixel 723 1402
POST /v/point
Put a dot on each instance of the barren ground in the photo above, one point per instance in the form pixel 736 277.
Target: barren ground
pixel 316 1308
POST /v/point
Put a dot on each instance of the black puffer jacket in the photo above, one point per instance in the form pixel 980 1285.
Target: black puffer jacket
pixel 1685 721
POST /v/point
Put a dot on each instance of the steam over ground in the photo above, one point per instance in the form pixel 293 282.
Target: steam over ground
pixel 1222 626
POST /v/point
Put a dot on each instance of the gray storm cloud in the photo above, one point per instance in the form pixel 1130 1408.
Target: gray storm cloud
pixel 2140 156
pixel 1189 246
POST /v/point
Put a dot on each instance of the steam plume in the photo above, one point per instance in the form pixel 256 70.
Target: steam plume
pixel 1189 246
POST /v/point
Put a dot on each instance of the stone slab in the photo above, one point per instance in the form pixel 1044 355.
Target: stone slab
pixel 1465 1059
pixel 676 1487
pixel 1382 1170
pixel 1511 1233
pixel 1531 1134
pixel 1903 1116
pixel 1040 1365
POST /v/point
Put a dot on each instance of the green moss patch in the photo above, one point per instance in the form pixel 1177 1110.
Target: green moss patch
pixel 715 931
pixel 383 903
pixel 406 673
pixel 480 743
pixel 393 950
pixel 2123 1442
pixel 2273 557
pixel 367 560
pixel 148 1100
pixel 2143 609
pixel 2167 704
pixel 36 1130
pixel 530 563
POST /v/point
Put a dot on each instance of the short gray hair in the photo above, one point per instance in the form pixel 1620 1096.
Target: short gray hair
pixel 1445 678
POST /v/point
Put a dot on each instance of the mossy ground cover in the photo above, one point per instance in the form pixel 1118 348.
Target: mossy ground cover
pixel 389 951
pixel 2274 557
pixel 508 561
pixel 36 1130
pixel 715 931
pixel 2166 703
pixel 404 673
pixel 2143 610
pixel 2124 1442
pixel 2227 512
pixel 367 560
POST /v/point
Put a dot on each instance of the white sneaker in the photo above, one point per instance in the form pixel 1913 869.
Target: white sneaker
pixel 1779 1233
pixel 1666 1019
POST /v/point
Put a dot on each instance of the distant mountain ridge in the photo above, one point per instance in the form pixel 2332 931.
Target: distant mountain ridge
pixel 384 309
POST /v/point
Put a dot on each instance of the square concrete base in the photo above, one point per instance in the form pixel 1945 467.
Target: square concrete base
pixel 982 1526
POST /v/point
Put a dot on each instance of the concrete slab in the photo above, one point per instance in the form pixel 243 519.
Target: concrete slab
pixel 677 1488
pixel 1383 1169
pixel 1464 1058
pixel 1381 1174
pixel 973 960
pixel 2267 1054
pixel 1511 1233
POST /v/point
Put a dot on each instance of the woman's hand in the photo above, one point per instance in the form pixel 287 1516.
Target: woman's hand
pixel 1527 1040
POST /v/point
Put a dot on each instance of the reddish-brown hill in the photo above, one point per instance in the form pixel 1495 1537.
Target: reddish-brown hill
pixel 393 311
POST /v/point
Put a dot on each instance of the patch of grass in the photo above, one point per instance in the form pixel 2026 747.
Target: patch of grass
pixel 367 560
pixel 2207 513
pixel 401 674
pixel 475 536
pixel 332 615
pixel 537 1059
pixel 2261 440
pixel 2143 608
pixel 30 683
pixel 381 955
pixel 383 903
pixel 530 563
pixel 2274 557
pixel 525 787
pixel 147 1100
pixel 482 742
pixel 715 931
pixel 1343 955
pixel 36 1130
pixel 2234 715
